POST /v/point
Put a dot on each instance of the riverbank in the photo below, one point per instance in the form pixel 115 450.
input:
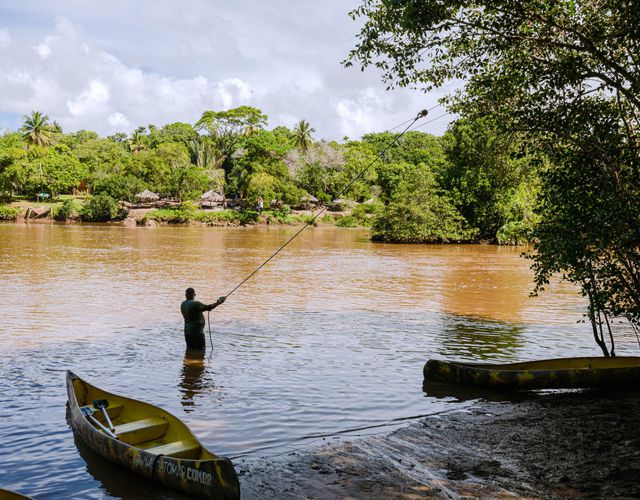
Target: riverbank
pixel 557 445
pixel 27 211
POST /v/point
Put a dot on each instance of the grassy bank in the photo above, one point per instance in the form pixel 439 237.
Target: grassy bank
pixel 224 217
pixel 70 208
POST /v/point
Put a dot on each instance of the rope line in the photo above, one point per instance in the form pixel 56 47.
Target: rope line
pixel 411 119
pixel 420 115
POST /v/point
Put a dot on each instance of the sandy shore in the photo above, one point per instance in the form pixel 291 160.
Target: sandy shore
pixel 558 445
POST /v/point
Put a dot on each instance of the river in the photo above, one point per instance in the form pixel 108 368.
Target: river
pixel 327 341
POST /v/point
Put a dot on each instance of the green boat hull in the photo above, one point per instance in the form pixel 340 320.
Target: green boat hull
pixel 564 373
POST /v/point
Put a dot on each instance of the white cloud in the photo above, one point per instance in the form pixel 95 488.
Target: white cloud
pixel 115 66
pixel 43 50
pixel 234 92
pixel 369 108
pixel 91 100
pixel 5 39
pixel 119 121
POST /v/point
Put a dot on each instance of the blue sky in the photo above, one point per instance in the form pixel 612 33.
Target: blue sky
pixel 113 66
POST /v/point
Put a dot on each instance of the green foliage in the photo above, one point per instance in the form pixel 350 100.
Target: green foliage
pixel 118 187
pixel 183 133
pixel 347 221
pixel 302 134
pixel 435 221
pixel 261 184
pixel 102 157
pixel 566 75
pixel 188 213
pixel 66 211
pixel 99 208
pixel 8 213
pixel 37 130
pixel 59 173
pixel 487 170
pixel 413 148
pixel 420 213
pixel 228 129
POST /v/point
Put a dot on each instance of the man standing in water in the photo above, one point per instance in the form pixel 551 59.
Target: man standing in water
pixel 194 319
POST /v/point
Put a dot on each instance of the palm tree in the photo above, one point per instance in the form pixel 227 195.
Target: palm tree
pixel 204 154
pixel 302 134
pixel 37 130
pixel 138 141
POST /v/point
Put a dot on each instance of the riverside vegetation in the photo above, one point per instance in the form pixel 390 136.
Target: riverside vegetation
pixel 565 78
pixel 470 184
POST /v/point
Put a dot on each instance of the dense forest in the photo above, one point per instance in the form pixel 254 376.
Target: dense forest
pixel 470 184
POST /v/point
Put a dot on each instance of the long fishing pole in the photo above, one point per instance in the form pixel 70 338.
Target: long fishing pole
pixel 420 115
pixel 380 155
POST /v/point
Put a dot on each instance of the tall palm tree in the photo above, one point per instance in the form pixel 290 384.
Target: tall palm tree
pixel 138 141
pixel 37 130
pixel 302 134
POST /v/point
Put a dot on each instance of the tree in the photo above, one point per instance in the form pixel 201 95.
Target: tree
pixel 227 129
pixel 37 130
pixel 420 212
pixel 138 141
pixel 117 186
pixel 486 171
pixel 172 132
pixel 302 134
pixel 204 153
pixel 99 208
pixel 567 75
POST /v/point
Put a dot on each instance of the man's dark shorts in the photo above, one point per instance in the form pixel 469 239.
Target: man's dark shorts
pixel 195 341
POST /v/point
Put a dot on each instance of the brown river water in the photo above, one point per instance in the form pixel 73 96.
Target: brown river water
pixel 327 341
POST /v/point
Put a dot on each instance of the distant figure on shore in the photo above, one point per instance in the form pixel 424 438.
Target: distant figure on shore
pixel 260 204
pixel 194 319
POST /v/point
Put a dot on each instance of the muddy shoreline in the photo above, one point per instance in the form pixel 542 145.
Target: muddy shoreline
pixel 553 445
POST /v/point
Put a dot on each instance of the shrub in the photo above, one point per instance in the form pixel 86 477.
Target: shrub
pixel 65 211
pixel 514 233
pixel 248 216
pixel 347 221
pixel 99 208
pixel 170 215
pixel 8 213
pixel 434 222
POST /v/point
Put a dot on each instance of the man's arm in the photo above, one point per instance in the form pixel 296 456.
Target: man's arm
pixel 209 307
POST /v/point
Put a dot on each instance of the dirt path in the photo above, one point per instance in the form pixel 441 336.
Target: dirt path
pixel 561 445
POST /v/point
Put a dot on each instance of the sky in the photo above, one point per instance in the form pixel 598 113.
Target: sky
pixel 112 66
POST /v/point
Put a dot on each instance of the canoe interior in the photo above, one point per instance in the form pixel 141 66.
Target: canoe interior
pixel 586 363
pixel 142 425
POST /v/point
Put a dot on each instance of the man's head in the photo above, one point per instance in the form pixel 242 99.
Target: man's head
pixel 190 293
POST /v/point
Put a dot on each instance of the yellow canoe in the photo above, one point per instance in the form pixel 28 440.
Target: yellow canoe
pixel 12 495
pixel 149 441
pixel 544 374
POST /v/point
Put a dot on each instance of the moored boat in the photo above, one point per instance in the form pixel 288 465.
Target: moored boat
pixel 12 495
pixel 149 441
pixel 612 373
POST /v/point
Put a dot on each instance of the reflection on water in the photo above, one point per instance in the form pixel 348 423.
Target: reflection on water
pixel 117 481
pixel 330 337
pixel 192 383
pixel 471 338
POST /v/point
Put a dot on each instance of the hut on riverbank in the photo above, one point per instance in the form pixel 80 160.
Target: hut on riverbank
pixel 212 199
pixel 147 199
pixel 308 202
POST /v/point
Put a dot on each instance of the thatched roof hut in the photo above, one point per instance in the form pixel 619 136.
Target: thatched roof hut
pixel 212 196
pixel 146 196
pixel 309 198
